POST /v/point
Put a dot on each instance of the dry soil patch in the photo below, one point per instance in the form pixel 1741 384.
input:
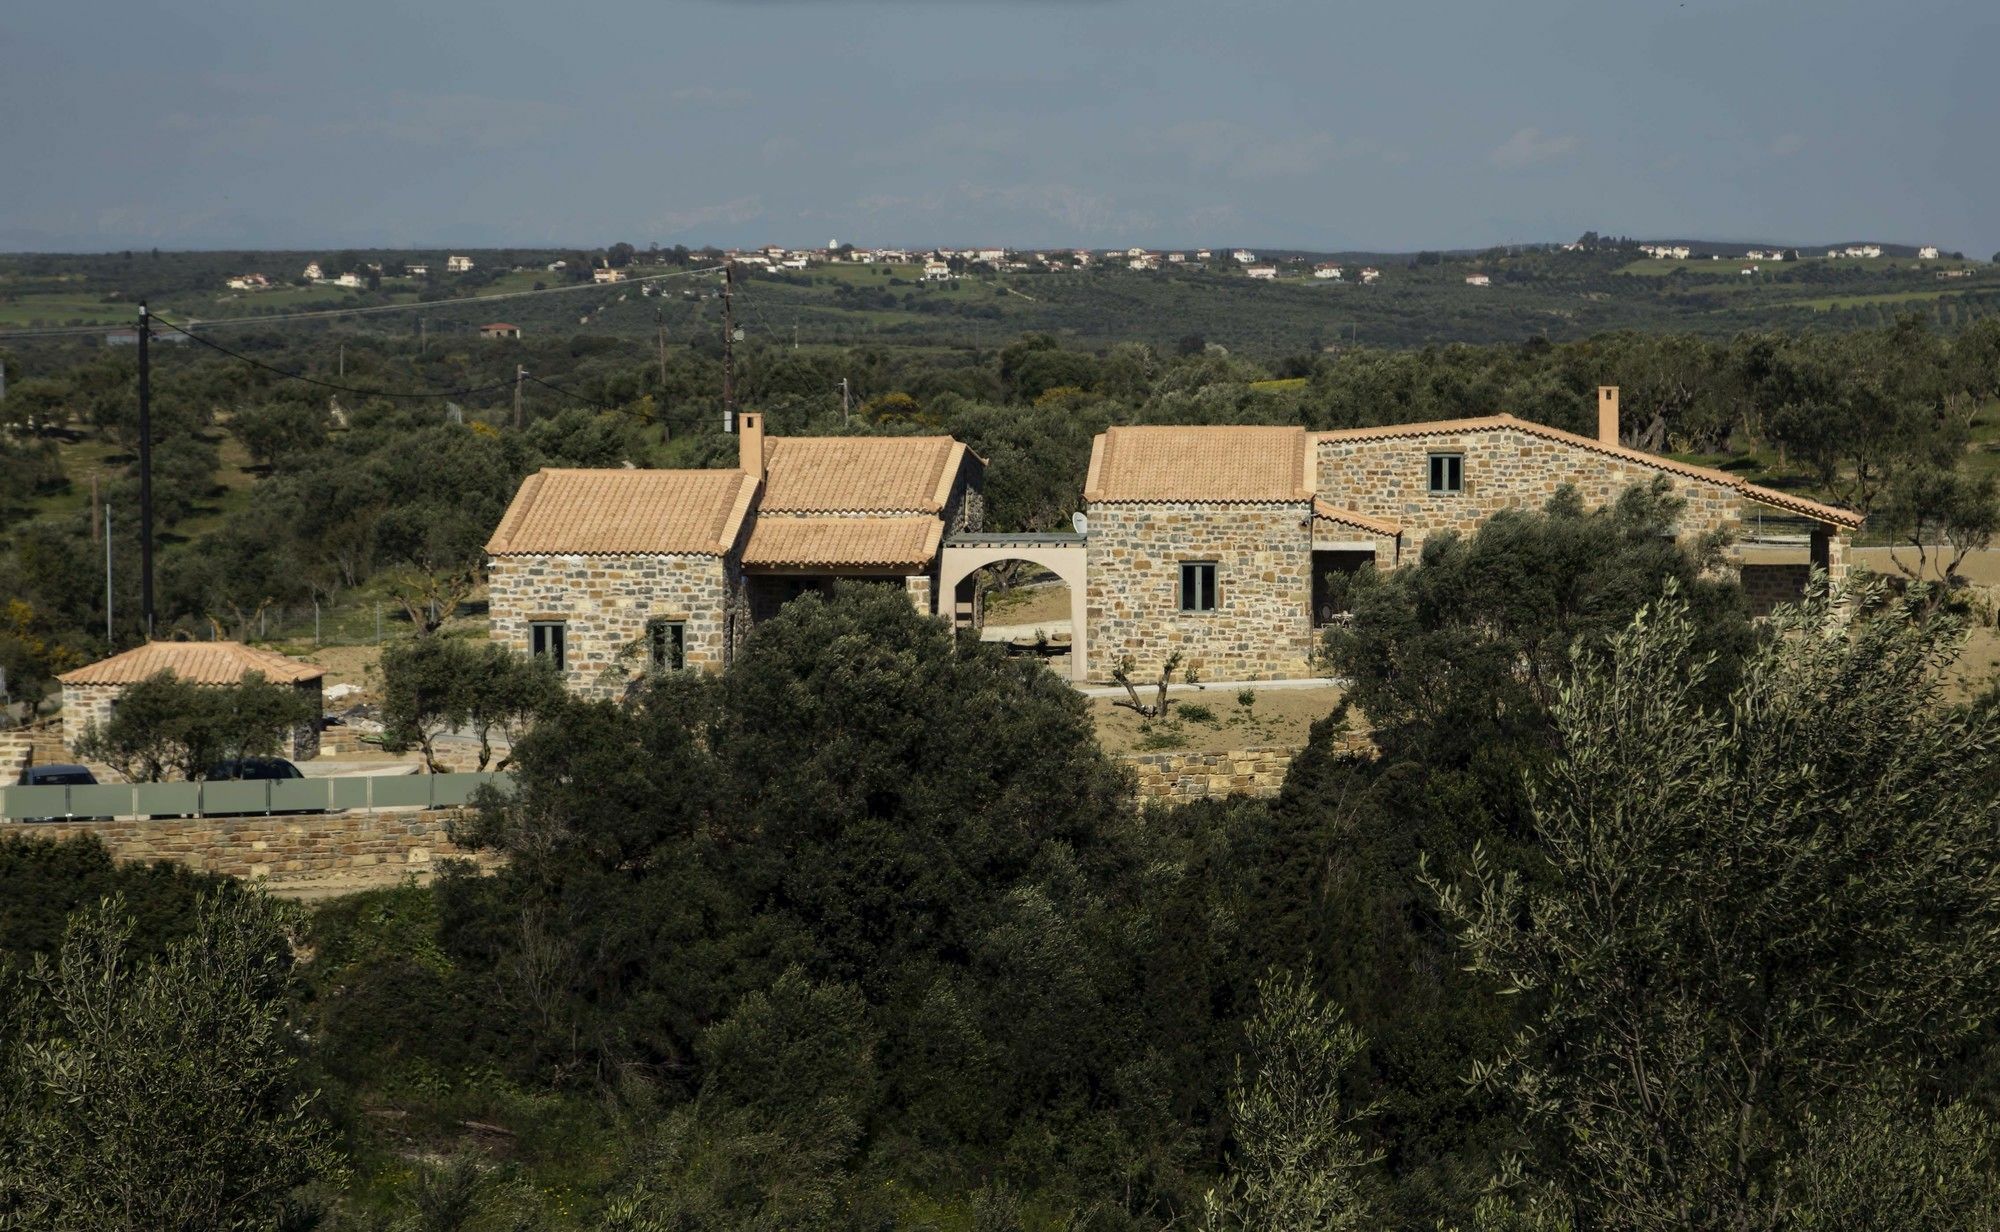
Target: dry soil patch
pixel 1281 717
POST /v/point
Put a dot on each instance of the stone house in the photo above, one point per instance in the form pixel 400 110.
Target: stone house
pixel 615 572
pixel 1217 541
pixel 91 693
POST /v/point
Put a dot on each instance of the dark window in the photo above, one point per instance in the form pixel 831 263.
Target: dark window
pixel 1198 587
pixel 666 640
pixel 1447 472
pixel 548 640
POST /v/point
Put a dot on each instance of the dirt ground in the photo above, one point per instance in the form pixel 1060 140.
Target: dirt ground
pixel 358 665
pixel 1034 604
pixel 1275 717
pixel 1980 568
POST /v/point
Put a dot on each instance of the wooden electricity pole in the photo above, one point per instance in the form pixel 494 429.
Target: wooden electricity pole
pixel 145 472
pixel 520 374
pixel 728 349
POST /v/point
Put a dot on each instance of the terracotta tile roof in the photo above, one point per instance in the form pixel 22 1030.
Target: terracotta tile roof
pixel 698 513
pixel 854 474
pixel 1348 517
pixel 1750 491
pixel 194 662
pixel 1231 463
pixel 804 543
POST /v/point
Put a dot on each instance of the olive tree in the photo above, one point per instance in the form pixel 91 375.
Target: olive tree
pixel 1754 926
pixel 160 1095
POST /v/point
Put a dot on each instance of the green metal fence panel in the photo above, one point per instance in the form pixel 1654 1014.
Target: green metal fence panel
pixel 402 791
pixel 350 791
pixel 300 795
pixel 18 803
pixel 457 789
pixel 167 799
pixel 226 796
pixel 101 800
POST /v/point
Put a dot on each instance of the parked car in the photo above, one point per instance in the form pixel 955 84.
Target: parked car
pixel 60 774
pixel 254 769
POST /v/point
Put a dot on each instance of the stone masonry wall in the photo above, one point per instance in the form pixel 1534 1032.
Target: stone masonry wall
pixel 606 601
pixel 1389 477
pixel 1260 629
pixel 1178 778
pixel 280 849
pixel 1767 586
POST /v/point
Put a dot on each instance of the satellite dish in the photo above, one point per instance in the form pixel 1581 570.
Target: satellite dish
pixel 1081 523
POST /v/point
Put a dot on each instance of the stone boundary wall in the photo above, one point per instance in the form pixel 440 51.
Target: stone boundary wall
pixel 375 847
pixel 1182 777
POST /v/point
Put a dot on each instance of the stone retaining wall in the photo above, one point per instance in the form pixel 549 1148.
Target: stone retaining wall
pixel 378 846
pixel 1178 778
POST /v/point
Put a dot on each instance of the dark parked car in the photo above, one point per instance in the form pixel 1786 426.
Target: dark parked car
pixel 60 774
pixel 254 769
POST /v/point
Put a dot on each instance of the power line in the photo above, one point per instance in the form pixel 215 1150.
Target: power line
pixel 313 380
pixel 280 318
pixel 679 417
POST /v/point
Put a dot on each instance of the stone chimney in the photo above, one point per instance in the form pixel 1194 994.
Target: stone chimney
pixel 750 442
pixel 1607 414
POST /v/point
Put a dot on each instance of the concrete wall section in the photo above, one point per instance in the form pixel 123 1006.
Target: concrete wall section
pixel 1261 628
pixel 606 601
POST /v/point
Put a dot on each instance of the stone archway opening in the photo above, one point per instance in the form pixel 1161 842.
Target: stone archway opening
pixel 1023 606
pixel 1041 606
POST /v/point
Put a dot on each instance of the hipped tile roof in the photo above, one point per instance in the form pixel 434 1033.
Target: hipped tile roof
pixel 1235 463
pixel 1750 491
pixel 585 512
pixel 851 474
pixel 194 662
pixel 850 542
pixel 1348 517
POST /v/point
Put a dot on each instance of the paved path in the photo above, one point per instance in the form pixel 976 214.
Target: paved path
pixel 1147 689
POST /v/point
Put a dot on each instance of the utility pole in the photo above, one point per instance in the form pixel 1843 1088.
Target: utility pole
pixel 107 579
pixel 728 350
pixel 520 374
pixel 843 402
pixel 343 361
pixel 145 472
pixel 660 331
pixel 421 323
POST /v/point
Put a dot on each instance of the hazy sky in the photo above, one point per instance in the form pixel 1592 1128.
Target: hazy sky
pixel 1397 124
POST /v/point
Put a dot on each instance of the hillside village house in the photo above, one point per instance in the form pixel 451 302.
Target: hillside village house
pixel 1216 541
pixel 610 572
pixel 456 264
pixel 499 329
pixel 91 692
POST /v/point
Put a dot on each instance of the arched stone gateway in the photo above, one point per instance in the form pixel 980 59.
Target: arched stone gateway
pixel 963 555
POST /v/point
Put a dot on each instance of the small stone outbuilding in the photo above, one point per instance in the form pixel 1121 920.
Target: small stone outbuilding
pixel 91 693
